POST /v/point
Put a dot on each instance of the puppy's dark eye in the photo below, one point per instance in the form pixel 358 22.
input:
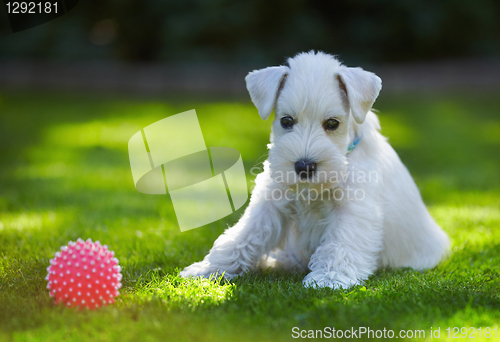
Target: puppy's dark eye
pixel 331 124
pixel 287 122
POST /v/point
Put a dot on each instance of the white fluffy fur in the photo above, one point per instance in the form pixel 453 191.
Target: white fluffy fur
pixel 341 242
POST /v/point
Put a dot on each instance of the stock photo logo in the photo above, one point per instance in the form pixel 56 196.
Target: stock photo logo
pixel 205 184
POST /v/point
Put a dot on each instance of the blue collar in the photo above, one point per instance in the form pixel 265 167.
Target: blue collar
pixel 353 145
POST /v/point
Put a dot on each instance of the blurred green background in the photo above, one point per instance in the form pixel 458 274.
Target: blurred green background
pixel 74 90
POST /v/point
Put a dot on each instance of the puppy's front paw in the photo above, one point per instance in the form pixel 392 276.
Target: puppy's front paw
pixel 201 269
pixel 331 279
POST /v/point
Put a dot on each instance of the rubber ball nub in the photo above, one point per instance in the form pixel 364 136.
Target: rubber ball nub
pixel 84 274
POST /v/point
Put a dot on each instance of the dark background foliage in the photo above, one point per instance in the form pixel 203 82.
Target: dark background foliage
pixel 248 31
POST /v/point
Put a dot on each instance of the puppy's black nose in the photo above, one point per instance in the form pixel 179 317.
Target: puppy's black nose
pixel 305 168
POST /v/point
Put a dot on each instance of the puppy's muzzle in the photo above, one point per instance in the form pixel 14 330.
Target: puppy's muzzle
pixel 305 168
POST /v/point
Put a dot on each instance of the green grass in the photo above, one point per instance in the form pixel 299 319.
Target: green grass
pixel 64 174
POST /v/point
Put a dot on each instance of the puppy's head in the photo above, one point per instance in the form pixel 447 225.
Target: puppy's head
pixel 319 105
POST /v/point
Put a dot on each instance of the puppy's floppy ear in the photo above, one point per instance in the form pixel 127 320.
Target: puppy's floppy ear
pixel 264 86
pixel 362 88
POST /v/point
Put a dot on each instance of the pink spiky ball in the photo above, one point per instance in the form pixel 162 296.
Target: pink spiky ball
pixel 84 274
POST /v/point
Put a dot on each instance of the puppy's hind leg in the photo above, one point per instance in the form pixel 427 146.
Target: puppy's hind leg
pixel 280 259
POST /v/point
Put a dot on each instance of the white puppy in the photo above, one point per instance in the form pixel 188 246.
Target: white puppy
pixel 334 197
